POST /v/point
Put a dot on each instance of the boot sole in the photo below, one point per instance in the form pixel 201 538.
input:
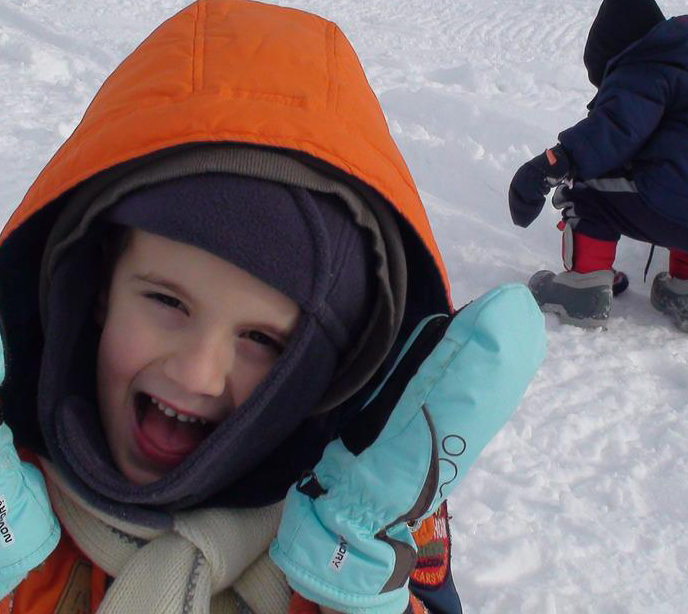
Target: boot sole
pixel 679 320
pixel 565 318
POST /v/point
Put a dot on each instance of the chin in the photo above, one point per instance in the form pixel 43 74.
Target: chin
pixel 138 479
pixel 139 476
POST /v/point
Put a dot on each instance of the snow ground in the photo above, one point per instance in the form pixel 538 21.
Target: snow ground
pixel 580 504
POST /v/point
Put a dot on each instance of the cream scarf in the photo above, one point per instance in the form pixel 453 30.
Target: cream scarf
pixel 200 567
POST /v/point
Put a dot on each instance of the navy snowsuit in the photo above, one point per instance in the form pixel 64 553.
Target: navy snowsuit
pixel 633 144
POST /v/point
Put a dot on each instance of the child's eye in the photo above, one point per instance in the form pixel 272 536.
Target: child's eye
pixel 265 340
pixel 167 300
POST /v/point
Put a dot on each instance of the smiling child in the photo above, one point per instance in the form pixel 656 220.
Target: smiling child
pixel 187 337
pixel 201 292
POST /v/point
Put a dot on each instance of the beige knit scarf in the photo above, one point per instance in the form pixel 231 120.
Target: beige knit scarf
pixel 214 560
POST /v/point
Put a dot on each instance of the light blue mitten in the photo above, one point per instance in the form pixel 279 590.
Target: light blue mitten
pixel 345 539
pixel 28 529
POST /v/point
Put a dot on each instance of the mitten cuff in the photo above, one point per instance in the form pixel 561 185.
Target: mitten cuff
pixel 560 165
pixel 394 602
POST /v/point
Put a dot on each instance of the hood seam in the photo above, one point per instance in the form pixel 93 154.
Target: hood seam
pixel 197 64
pixel 330 51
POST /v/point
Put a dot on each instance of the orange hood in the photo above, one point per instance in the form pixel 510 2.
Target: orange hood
pixel 230 71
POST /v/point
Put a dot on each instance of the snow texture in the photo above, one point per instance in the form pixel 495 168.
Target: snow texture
pixel 580 504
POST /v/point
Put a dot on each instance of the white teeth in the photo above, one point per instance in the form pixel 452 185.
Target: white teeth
pixel 168 411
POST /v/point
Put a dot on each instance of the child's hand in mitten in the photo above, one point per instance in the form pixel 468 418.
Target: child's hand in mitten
pixel 533 181
pixel 28 529
pixel 344 540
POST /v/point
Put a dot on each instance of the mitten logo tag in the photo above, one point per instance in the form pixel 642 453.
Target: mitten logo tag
pixel 339 555
pixel 6 537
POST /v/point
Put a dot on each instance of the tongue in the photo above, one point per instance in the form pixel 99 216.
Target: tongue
pixel 169 434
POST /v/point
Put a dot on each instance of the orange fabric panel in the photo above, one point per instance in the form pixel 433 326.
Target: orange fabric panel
pixel 417 607
pixel 227 70
pixel 98 586
pixel 6 605
pixel 66 583
pixel 300 605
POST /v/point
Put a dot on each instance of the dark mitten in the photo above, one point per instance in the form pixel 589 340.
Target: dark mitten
pixel 533 181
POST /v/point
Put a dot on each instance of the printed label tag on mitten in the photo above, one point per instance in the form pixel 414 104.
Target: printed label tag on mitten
pixel 339 555
pixel 6 536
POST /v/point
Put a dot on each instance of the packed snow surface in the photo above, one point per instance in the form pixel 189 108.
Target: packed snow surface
pixel 580 504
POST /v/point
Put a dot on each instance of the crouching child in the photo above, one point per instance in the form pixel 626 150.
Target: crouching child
pixel 623 170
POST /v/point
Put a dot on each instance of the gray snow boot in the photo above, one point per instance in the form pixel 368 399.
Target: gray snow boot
pixel 670 296
pixel 581 299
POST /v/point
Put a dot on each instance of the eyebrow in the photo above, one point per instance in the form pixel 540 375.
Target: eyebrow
pixel 164 283
pixel 283 334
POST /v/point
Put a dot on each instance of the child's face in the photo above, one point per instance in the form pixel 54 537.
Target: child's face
pixel 186 339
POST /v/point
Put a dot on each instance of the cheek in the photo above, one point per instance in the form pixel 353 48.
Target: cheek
pixel 122 353
pixel 110 390
pixel 249 375
pixel 114 357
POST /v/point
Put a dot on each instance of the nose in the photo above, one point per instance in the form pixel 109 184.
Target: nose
pixel 200 365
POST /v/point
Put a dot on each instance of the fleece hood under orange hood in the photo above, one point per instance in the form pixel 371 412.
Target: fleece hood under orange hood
pixel 219 71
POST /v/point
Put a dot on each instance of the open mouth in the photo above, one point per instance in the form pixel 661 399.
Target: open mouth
pixel 166 435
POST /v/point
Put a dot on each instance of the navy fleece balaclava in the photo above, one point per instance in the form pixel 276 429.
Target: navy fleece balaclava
pixel 618 24
pixel 303 243
pixel 281 235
